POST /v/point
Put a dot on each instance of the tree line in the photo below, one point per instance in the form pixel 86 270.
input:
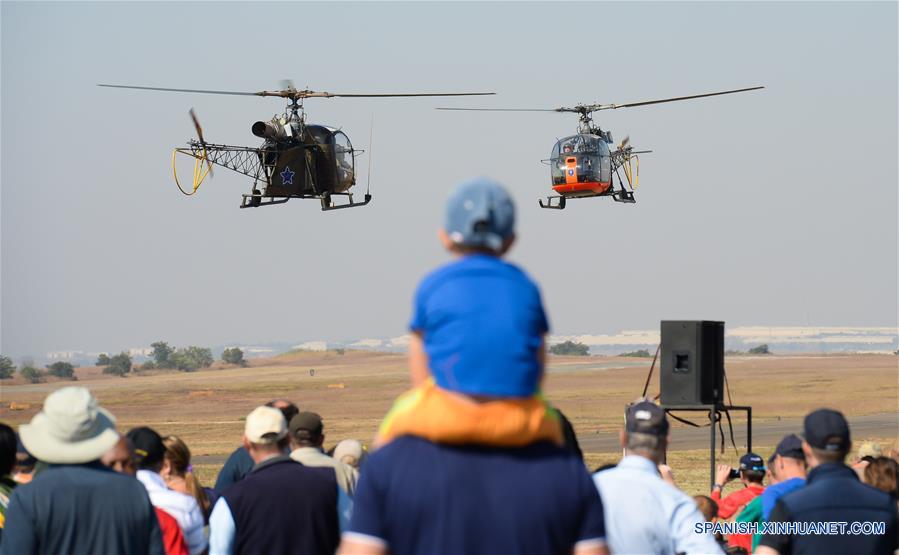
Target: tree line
pixel 185 359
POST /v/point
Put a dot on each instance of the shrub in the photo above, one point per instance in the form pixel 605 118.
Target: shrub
pixel 191 358
pixel 103 360
pixel 760 350
pixel 119 365
pixel 7 368
pixel 570 348
pixel 639 353
pixel 32 374
pixel 61 370
pixel 234 356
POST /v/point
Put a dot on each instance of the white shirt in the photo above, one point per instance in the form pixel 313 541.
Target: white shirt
pixel 180 505
pixel 645 514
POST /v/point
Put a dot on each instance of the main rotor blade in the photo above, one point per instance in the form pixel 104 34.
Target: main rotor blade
pixel 380 95
pixel 500 109
pixel 660 101
pixel 178 90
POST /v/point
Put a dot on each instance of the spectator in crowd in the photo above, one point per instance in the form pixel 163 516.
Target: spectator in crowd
pixel 788 468
pixel 281 506
pixel 752 474
pixel 646 514
pixel 478 330
pixel 7 464
pixel 867 452
pixel 786 472
pixel 894 451
pixel 306 439
pixel 121 458
pixel 179 474
pixel 150 457
pixel 833 494
pixel 707 507
pixel 350 452
pixel 883 474
pixel 239 463
pixel 26 464
pixel 77 505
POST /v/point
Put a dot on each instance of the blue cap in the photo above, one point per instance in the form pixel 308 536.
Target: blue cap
pixel 790 446
pixel 480 214
pixel 751 461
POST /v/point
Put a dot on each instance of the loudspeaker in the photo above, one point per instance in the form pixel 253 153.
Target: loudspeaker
pixel 692 362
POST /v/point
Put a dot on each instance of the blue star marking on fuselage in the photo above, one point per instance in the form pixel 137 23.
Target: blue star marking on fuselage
pixel 287 176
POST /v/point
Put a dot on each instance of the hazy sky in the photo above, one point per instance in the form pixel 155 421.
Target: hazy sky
pixel 776 207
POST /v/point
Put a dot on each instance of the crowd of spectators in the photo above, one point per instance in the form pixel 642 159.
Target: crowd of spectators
pixel 471 460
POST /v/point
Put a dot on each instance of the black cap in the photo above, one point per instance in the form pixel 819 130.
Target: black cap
pixel 828 430
pixel 751 461
pixel 645 417
pixel 148 447
pixel 306 421
pixel 790 446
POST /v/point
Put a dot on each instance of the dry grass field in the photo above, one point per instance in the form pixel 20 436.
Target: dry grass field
pixel 352 391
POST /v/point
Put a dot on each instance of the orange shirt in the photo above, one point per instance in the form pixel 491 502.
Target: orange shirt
pixel 729 506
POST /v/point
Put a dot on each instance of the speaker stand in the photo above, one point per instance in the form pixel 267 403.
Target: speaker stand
pixel 714 413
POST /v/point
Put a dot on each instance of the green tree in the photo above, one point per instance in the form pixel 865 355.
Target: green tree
pixel 61 369
pixel 119 365
pixel 638 353
pixel 191 358
pixel 7 368
pixel 162 354
pixel 103 360
pixel 234 356
pixel 760 350
pixel 570 348
pixel 32 374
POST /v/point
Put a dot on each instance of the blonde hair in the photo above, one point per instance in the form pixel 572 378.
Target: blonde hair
pixel 178 455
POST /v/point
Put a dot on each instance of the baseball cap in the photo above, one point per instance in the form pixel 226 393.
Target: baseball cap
pixel 148 447
pixel 307 421
pixel 480 213
pixel 265 425
pixel 646 417
pixel 827 429
pixel 751 461
pixel 790 446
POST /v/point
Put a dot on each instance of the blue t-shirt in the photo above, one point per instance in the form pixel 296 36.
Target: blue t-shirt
pixel 420 497
pixel 483 324
pixel 775 491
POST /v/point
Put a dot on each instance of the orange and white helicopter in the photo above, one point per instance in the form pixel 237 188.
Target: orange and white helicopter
pixel 587 163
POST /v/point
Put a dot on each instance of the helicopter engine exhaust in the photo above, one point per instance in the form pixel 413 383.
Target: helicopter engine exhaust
pixel 268 130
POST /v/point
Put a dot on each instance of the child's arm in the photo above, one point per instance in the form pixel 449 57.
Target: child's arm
pixel 418 360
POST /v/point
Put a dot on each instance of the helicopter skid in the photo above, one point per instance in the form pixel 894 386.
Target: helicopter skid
pixel 560 205
pixel 254 200
pixel 624 196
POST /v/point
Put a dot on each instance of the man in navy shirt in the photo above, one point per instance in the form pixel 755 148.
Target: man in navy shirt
pixel 415 496
pixel 849 510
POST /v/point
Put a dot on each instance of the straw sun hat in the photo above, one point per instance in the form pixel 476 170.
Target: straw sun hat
pixel 72 428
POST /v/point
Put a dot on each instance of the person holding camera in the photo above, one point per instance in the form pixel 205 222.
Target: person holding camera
pixel 751 474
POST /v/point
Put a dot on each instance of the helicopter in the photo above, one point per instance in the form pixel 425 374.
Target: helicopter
pixel 586 164
pixel 295 160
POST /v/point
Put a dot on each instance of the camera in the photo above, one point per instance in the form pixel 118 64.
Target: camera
pixel 734 474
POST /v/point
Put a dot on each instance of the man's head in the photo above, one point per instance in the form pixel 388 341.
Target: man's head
pixel 707 507
pixel 288 409
pixel 307 430
pixel 645 431
pixel 752 469
pixel 149 451
pixel 265 433
pixel 826 437
pixel 788 460
pixel 480 217
pixel 72 428
pixel 121 457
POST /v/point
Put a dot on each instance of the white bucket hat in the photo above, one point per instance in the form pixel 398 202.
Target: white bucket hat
pixel 71 429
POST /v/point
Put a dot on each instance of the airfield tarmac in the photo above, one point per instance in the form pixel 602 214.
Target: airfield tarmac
pixel 354 390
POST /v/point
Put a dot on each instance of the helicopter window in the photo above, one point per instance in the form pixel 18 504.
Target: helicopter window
pixel 343 157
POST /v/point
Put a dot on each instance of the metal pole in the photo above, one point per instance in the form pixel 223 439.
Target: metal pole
pixel 712 444
pixel 749 428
